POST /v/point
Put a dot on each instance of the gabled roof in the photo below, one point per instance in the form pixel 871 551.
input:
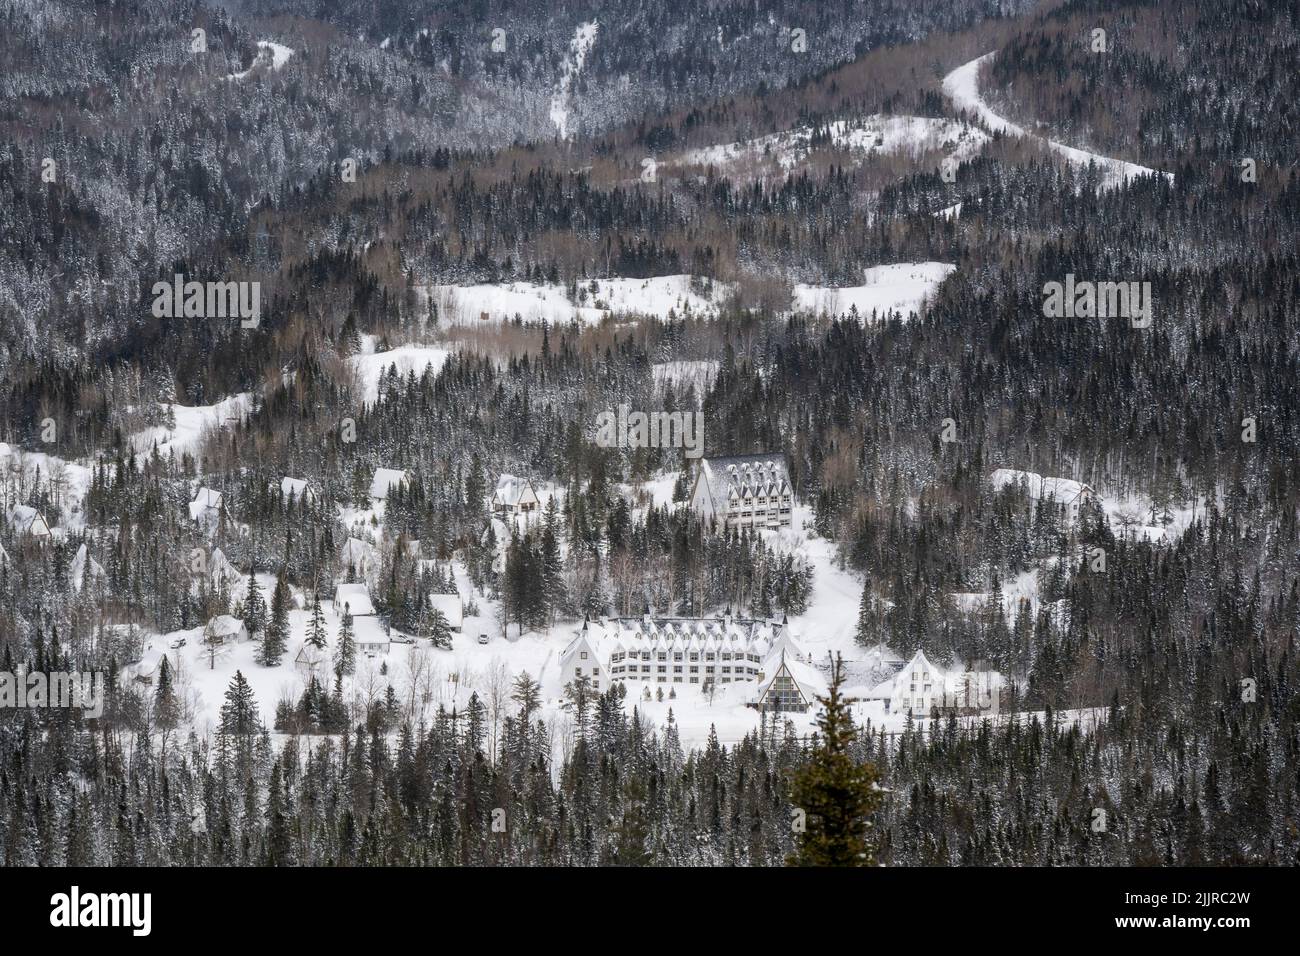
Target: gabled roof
pixel 223 625
pixel 1061 490
pixel 451 607
pixel 27 520
pixel 357 599
pixel 511 490
pixel 296 487
pixel 810 681
pixel 738 476
pixel 384 480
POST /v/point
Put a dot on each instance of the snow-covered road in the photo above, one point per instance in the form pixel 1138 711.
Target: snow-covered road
pixel 962 87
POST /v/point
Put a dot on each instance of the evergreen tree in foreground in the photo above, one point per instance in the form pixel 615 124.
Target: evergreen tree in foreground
pixel 276 638
pixel 835 791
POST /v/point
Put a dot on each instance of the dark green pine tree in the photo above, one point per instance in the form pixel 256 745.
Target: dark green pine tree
pixel 166 706
pixel 278 846
pixel 865 634
pixel 836 792
pixel 439 629
pixel 345 655
pixel 276 638
pixel 316 636
pixel 239 712
pixel 254 606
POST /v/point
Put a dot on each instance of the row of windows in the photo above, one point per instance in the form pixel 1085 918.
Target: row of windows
pixel 631 669
pixel 678 655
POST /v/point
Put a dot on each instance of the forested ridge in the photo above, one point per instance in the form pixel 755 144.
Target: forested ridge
pixel 1161 688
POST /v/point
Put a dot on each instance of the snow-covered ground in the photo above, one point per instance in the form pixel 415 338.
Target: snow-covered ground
pixel 192 423
pixel 962 87
pixel 579 47
pixel 597 299
pixel 684 373
pixel 897 287
pixel 880 134
pixel 274 55
pixel 372 366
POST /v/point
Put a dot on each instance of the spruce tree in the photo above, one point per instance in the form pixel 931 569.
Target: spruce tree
pixel 345 655
pixel 836 792
pixel 276 638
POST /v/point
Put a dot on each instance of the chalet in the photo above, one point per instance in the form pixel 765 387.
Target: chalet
pixel 145 670
pixel 300 490
pixel 359 557
pixel 670 650
pixel 224 629
pixel 384 480
pixel 310 659
pixel 368 631
pixel 85 570
pixel 921 687
pixel 369 636
pixel 207 506
pixel 744 491
pixel 355 598
pixel 514 496
pixel 27 521
pixel 789 685
pixel 1069 495
pixel 451 607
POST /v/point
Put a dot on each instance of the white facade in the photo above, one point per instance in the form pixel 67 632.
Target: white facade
pixel 689 651
pixel 1070 495
pixel 26 520
pixel 224 629
pixel 744 491
pixel 921 686
pixel 514 496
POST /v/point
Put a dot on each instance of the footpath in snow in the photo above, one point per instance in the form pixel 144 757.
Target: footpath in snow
pixel 962 87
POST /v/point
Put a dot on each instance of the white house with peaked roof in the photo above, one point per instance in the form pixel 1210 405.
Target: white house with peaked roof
pixel 744 491
pixel 359 556
pixel 451 607
pixel 789 685
pixel 26 520
pixel 514 496
pixel 206 506
pixel 84 570
pixel 922 686
pixel 1070 495
pixel 224 629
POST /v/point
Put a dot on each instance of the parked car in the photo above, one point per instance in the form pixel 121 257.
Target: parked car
pixel 176 643
pixel 482 638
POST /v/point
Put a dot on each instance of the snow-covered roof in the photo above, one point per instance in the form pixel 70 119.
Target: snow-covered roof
pixel 27 520
pixel 297 487
pixel 368 631
pixel 223 625
pixel 307 654
pixel 1061 490
pixel 384 479
pixel 451 607
pixel 638 634
pixel 810 681
pixel 511 490
pixel 80 565
pixel 356 597
pixel 206 501
pixel 736 477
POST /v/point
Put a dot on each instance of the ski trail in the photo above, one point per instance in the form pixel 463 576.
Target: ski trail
pixel 579 46
pixel 962 87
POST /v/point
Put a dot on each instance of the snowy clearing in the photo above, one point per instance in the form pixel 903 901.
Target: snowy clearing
pixel 579 46
pixel 900 287
pixel 879 134
pixel 274 55
pixel 660 297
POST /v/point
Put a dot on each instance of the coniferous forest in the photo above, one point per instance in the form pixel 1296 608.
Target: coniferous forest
pixel 823 228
